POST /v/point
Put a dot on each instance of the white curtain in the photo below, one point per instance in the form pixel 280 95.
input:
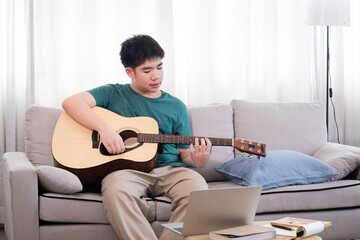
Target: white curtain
pixel 78 42
pixel 16 75
pixel 242 49
pixel 345 79
pixel 15 71
pixel 246 49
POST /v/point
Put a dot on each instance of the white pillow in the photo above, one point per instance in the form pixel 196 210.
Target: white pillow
pixel 58 180
pixel 298 126
pixel 339 157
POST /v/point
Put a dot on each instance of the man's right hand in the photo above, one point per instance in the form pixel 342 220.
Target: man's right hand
pixel 111 140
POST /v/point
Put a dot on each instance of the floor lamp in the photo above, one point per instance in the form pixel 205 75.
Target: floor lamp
pixel 328 13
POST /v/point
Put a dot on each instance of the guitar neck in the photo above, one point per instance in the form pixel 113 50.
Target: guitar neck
pixel 176 139
pixel 242 145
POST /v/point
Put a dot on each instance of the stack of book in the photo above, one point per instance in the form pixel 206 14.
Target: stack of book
pixel 284 229
pixel 298 228
pixel 245 232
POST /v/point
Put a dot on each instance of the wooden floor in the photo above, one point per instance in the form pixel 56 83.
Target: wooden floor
pixel 2 232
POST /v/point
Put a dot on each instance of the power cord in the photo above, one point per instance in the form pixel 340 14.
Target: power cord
pixel 334 113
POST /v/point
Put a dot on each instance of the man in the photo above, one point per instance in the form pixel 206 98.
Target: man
pixel 124 191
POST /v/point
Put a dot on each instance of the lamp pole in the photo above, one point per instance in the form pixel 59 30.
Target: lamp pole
pixel 328 13
pixel 327 75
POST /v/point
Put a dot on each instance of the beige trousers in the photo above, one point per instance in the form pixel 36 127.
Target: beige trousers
pixel 123 197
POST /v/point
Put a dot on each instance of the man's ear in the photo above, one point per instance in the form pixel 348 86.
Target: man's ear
pixel 130 72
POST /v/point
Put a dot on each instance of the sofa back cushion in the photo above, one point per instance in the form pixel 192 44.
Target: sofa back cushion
pixel 40 122
pixel 213 121
pixel 298 126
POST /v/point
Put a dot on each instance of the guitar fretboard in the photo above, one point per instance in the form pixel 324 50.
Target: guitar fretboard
pixel 163 138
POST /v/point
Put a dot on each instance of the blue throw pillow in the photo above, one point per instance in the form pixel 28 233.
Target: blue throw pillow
pixel 278 169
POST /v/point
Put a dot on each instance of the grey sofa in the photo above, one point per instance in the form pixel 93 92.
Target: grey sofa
pixel 32 213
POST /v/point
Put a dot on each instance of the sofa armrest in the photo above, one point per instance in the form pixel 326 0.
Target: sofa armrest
pixel 355 150
pixel 21 197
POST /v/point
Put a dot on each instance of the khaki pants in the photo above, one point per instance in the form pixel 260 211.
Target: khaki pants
pixel 123 197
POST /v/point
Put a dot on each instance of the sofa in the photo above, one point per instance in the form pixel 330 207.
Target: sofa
pixel 45 202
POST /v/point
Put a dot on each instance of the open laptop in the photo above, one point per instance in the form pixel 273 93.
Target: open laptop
pixel 215 209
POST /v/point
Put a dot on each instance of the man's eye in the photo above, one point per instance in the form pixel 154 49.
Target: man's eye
pixel 148 71
pixel 159 68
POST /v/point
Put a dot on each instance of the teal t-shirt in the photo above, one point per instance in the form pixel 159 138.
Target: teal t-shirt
pixel 169 112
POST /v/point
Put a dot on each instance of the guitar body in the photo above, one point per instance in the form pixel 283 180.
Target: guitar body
pixel 79 150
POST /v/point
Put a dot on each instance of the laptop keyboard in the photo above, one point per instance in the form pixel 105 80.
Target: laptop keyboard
pixel 179 229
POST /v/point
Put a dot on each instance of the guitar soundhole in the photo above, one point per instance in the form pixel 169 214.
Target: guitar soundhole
pixel 129 137
pixel 130 140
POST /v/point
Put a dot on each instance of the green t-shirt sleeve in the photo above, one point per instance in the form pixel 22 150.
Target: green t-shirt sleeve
pixel 102 95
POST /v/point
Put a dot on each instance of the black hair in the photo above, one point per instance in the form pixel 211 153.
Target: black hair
pixel 139 48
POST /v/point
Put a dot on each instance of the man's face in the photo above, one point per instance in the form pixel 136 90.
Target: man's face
pixel 146 78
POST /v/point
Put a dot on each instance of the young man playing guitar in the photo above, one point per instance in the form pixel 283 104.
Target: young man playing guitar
pixel 124 191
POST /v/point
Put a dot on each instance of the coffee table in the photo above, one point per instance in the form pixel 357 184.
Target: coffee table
pixel 206 237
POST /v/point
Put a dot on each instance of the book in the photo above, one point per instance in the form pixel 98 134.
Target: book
pixel 245 232
pixel 313 237
pixel 298 227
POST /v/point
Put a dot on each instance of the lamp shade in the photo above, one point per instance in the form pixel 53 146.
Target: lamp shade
pixel 328 12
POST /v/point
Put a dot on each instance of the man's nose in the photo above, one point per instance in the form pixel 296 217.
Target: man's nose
pixel 155 75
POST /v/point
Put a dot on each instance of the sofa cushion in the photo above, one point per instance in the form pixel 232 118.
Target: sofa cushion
pixel 340 157
pixel 278 169
pixel 77 232
pixel 58 180
pixel 87 207
pixel 39 127
pixel 74 208
pixel 327 196
pixel 334 195
pixel 213 121
pixel 298 126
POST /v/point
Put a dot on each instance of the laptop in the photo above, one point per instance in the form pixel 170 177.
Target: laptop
pixel 215 209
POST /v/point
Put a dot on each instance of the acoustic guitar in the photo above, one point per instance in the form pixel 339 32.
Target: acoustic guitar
pixel 80 151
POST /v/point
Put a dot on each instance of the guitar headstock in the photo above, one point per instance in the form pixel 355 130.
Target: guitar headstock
pixel 256 148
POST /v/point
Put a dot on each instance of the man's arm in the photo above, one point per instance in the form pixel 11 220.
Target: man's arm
pixel 198 155
pixel 79 106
